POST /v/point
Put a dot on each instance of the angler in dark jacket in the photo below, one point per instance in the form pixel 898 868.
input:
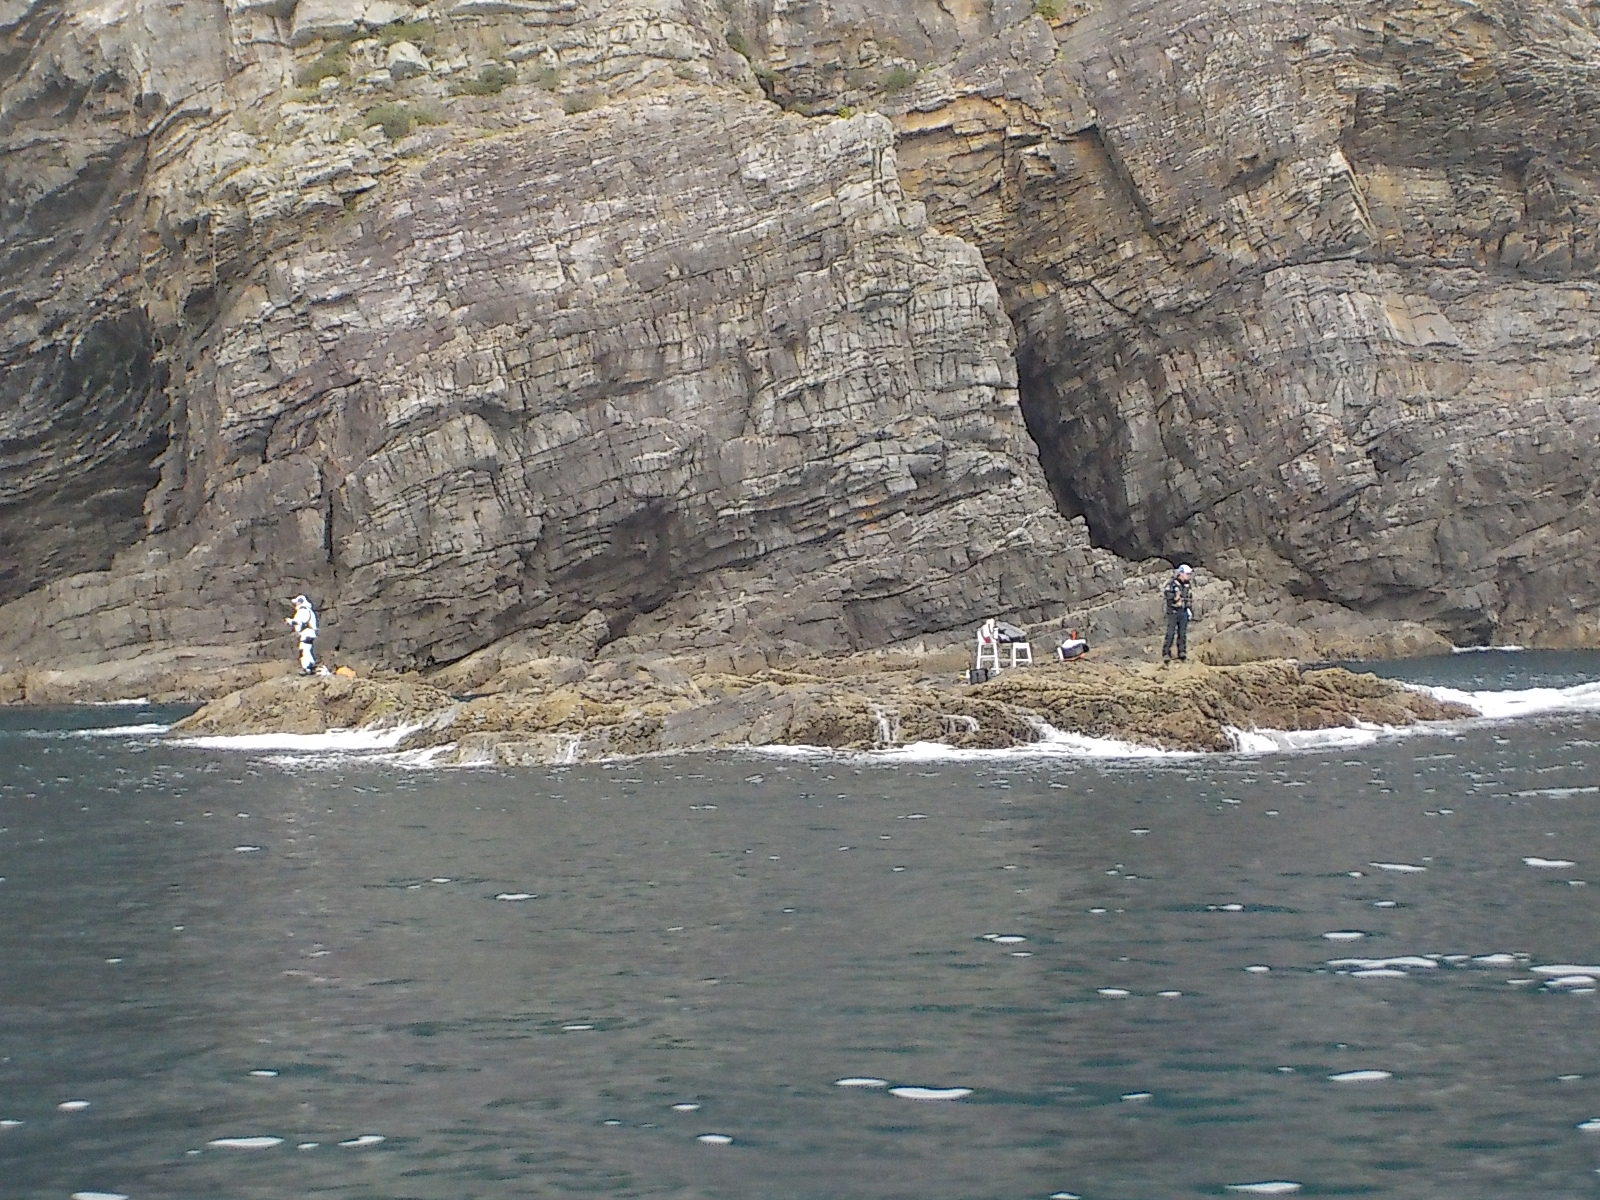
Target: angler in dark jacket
pixel 1178 603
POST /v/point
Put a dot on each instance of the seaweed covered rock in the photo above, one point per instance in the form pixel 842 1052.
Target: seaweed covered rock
pixel 316 704
pixel 1192 707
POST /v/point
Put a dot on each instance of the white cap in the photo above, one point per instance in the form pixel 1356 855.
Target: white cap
pixel 1185 569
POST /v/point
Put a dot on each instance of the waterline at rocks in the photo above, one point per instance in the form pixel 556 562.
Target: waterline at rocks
pixel 657 708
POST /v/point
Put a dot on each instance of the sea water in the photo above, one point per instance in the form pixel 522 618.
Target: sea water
pixel 314 970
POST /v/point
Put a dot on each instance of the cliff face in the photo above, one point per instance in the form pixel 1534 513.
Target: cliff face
pixel 490 317
pixel 680 367
pixel 1307 288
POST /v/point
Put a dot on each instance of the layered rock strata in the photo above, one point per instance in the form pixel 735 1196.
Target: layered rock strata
pixel 682 363
pixel 1307 291
pixel 540 323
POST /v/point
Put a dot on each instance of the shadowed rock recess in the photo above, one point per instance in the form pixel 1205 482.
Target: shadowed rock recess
pixel 619 329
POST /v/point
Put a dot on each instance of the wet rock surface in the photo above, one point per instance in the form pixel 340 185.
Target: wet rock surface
pixel 315 704
pixel 865 706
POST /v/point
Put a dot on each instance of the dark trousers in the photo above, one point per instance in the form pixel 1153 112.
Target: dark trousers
pixel 1177 630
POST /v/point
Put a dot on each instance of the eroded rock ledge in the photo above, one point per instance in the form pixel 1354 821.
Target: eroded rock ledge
pixel 665 709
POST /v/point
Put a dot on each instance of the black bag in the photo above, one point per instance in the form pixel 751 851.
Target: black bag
pixel 1005 633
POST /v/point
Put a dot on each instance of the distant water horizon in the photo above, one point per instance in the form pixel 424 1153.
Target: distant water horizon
pixel 1360 966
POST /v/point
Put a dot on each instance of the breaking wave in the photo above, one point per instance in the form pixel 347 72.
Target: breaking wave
pixel 1524 702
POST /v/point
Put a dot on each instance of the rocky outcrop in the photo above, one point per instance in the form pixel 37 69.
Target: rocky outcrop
pixel 540 326
pixel 315 704
pixel 642 711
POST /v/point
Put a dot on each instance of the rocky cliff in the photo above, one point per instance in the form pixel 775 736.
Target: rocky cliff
pixel 1307 287
pixel 618 328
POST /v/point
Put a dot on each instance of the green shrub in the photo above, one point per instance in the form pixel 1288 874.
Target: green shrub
pixel 491 81
pixel 418 33
pixel 333 64
pixel 898 79
pixel 578 102
pixel 1048 9
pixel 738 43
pixel 397 120
pixel 547 77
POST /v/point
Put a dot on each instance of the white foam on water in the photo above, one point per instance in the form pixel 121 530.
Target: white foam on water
pixel 122 731
pixel 246 849
pixel 685 1106
pixel 1496 960
pixel 861 1081
pixel 264 1074
pixel 1378 973
pixel 1344 935
pixel 1555 863
pixel 131 702
pixel 575 1028
pixel 1270 1187
pixel 1590 1126
pixel 715 1139
pixel 245 1143
pixel 1558 793
pixel 1257 969
pixel 1051 743
pixel 1065 1196
pixel 366 1139
pixel 1276 741
pixel 1499 705
pixel 10 1123
pixel 1004 939
pixel 1572 982
pixel 1494 705
pixel 1113 993
pixel 1135 1097
pixel 1402 867
pixel 1405 961
pixel 1566 969
pixel 1360 1076
pixel 928 1093
pixel 73 1105
pixel 335 741
pixel 514 896
pixel 98 1196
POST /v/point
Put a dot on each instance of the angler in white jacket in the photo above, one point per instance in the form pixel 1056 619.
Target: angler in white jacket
pixel 304 624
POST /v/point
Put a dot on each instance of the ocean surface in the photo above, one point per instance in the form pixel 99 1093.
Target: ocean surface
pixel 1360 968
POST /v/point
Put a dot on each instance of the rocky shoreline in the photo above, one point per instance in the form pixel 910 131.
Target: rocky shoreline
pixel 660 708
